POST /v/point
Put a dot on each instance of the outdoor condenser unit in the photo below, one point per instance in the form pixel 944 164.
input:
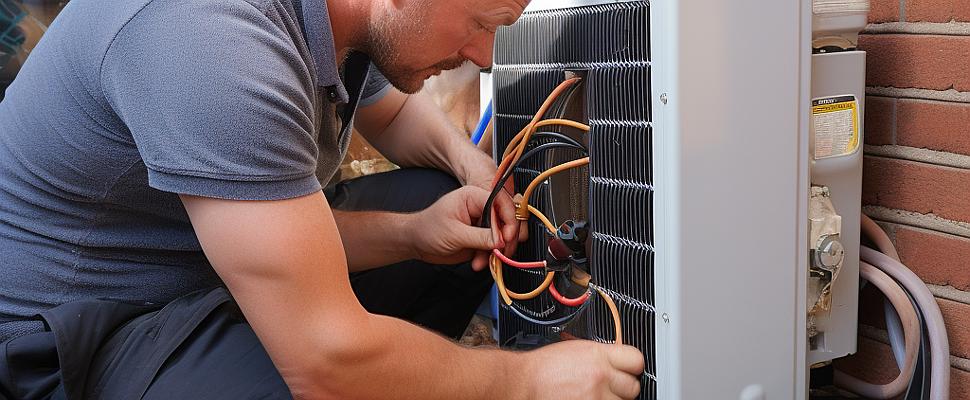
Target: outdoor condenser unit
pixel 723 188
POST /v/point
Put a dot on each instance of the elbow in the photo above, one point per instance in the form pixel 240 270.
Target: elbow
pixel 333 361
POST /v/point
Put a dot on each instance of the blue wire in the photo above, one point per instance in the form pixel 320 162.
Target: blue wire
pixel 482 124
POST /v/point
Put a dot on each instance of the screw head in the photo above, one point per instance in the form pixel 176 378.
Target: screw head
pixel 665 317
pixel 663 98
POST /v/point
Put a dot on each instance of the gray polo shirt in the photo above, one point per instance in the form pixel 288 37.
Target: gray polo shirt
pixel 124 104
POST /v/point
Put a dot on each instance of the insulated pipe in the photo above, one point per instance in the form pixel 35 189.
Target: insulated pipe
pixel 893 326
pixel 879 237
pixel 895 329
pixel 911 331
pixel 939 345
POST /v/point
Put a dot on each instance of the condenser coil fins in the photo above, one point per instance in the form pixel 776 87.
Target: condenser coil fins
pixel 607 45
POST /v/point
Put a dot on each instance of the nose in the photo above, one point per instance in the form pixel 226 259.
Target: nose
pixel 479 50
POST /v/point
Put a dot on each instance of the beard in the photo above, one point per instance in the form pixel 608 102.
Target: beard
pixel 388 39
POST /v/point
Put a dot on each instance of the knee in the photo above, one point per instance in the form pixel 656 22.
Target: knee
pixel 428 186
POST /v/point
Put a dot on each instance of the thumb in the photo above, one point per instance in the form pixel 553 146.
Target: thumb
pixel 480 238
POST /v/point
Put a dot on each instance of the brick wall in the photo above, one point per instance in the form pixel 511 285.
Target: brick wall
pixel 917 167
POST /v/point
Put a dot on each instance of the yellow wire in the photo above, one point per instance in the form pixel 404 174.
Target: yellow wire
pixel 542 217
pixel 521 212
pixel 616 315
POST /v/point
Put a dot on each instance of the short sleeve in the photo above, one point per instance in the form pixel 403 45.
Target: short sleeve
pixel 376 87
pixel 217 99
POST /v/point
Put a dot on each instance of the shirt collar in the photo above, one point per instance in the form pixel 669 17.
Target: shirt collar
pixel 318 33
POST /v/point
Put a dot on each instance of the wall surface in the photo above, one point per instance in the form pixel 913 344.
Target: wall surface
pixel 917 167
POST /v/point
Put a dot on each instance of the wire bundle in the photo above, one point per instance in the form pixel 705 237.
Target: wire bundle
pixel 514 156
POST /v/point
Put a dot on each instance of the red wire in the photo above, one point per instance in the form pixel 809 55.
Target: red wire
pixel 518 264
pixel 567 302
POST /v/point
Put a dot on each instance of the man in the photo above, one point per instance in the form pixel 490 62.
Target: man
pixel 154 151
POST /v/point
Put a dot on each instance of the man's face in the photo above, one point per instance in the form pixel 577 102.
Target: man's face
pixel 411 40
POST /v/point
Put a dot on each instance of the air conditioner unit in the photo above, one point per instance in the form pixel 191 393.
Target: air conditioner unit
pixel 703 165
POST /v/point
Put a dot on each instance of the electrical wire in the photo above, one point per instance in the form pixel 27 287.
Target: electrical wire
pixel 518 264
pixel 542 217
pixel 557 321
pixel 616 314
pixel 521 139
pixel 500 185
pixel 495 267
pixel 557 136
pixel 521 212
pixel 575 302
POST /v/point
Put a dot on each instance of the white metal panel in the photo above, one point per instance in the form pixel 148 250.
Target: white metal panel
pixel 731 174
pixel 836 74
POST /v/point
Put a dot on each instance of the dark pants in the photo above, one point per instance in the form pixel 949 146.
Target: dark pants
pixel 200 346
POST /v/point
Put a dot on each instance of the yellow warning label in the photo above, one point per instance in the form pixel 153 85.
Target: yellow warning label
pixel 835 126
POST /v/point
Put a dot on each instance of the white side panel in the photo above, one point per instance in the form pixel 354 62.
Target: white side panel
pixel 732 185
pixel 837 74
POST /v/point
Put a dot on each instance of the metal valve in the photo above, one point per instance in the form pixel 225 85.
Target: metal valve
pixel 829 253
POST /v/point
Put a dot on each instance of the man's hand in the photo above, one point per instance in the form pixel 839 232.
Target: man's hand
pixel 411 131
pixel 446 232
pixel 478 169
pixel 580 369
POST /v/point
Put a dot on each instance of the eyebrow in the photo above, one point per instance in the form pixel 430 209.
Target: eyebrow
pixel 502 15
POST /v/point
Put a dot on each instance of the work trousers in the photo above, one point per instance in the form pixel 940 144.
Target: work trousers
pixel 200 346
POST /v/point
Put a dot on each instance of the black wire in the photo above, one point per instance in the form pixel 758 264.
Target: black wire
pixel 558 136
pixel 919 383
pixel 486 221
pixel 557 321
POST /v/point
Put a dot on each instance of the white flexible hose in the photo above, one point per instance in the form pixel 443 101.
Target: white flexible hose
pixel 911 328
pixel 895 328
pixel 939 344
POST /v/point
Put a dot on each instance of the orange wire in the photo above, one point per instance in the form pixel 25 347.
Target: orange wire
pixel 522 211
pixel 508 295
pixel 616 315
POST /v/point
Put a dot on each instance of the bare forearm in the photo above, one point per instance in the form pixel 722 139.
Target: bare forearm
pixel 421 135
pixel 393 359
pixel 374 238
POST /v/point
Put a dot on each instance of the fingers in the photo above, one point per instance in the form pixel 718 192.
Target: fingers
pixel 478 238
pixel 625 358
pixel 480 261
pixel 505 211
pixel 475 198
pixel 624 385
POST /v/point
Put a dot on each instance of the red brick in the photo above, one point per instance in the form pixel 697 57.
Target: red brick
pixel 937 258
pixel 934 125
pixel 874 363
pixel 937 10
pixel 884 11
pixel 957 318
pixel 917 61
pixel 917 187
pixel 880 119
pixel 959 384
